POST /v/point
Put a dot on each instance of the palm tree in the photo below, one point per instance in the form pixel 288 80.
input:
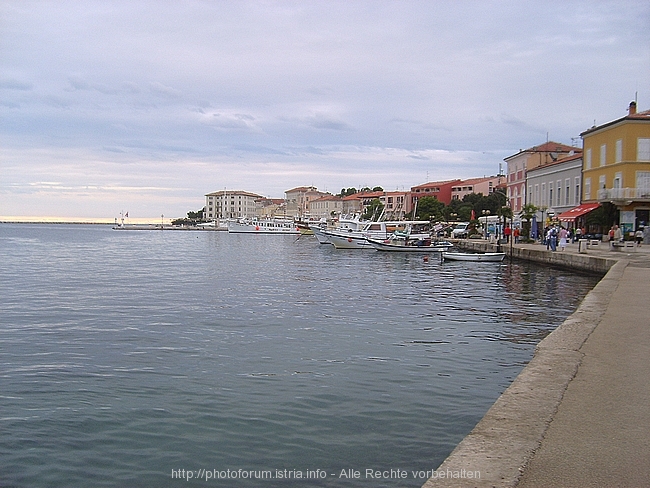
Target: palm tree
pixel 526 214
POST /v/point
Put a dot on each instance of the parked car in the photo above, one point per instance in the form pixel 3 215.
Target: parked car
pixel 461 230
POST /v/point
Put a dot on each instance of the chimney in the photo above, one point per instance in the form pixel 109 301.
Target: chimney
pixel 632 109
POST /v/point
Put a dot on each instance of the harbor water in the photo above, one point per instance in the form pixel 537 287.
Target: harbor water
pixel 164 358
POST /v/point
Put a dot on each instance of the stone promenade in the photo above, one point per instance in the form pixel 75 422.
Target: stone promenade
pixel 578 415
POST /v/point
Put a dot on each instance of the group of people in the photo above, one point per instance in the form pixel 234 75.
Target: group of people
pixel 557 237
pixel 616 235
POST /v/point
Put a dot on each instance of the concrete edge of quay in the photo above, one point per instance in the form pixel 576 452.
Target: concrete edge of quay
pixel 506 438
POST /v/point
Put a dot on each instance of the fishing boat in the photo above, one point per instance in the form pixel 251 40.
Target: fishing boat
pixel 351 239
pixel 264 226
pixel 409 244
pixel 467 256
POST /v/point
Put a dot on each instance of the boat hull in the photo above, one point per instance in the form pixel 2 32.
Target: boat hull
pixel 392 246
pixel 263 227
pixel 476 257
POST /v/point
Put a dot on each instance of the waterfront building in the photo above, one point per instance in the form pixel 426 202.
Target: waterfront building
pixel 485 186
pixel 269 208
pixel 616 167
pixel 231 204
pixel 326 207
pixel 525 160
pixel 554 188
pixel 394 202
pixel 298 200
pixel 440 190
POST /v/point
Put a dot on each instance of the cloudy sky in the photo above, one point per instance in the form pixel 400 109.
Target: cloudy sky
pixel 145 106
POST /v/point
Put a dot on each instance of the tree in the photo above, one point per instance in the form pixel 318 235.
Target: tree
pixel 526 214
pixel 374 210
pixel 378 188
pixel 603 217
pixel 347 192
pixel 429 208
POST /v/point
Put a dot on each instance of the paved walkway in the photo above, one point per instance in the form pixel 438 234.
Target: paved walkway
pixel 579 414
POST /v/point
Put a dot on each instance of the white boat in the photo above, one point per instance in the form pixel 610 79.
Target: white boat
pixel 266 226
pixel 352 239
pixel 398 244
pixel 344 224
pixel 467 256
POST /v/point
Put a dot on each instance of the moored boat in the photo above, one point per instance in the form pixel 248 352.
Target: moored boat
pixel 467 256
pixel 266 226
pixel 358 239
pixel 410 245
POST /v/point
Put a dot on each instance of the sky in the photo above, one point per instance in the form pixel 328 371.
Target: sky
pixel 145 106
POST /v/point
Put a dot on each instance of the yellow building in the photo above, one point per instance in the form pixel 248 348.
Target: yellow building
pixel 616 167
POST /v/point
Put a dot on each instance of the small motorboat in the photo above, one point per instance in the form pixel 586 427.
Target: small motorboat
pixel 469 256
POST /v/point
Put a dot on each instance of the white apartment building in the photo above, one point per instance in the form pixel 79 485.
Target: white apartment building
pixel 555 187
pixel 229 204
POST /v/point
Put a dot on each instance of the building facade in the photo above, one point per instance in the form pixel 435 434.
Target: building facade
pixel 485 186
pixel 326 207
pixel 298 199
pixel 555 188
pixel 616 167
pixel 229 204
pixel 440 190
pixel 525 160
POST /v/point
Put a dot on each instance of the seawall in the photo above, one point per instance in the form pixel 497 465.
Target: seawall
pixel 505 441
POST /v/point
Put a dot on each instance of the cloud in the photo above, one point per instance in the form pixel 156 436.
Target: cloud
pixel 264 96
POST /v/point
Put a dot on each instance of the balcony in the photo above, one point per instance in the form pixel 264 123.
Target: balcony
pixel 623 196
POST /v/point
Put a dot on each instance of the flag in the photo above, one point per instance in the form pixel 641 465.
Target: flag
pixel 473 216
pixel 126 214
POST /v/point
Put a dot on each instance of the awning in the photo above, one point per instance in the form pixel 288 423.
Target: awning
pixel 578 211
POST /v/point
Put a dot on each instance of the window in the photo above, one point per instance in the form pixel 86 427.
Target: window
pixel 567 183
pixel 603 154
pixel 643 180
pixel 550 195
pixel 559 192
pixel 587 188
pixel 643 149
pixel 618 180
pixel 588 159
pixel 619 150
pixel 576 197
pixel 601 182
pixel 543 193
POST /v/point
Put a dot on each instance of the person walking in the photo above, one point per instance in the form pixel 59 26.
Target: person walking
pixel 516 235
pixel 563 234
pixel 638 236
pixel 506 232
pixel 553 238
pixel 578 233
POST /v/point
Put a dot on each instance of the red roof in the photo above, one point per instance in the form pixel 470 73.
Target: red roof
pixel 578 211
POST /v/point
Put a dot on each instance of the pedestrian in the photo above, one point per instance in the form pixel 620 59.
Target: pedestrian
pixel 506 232
pixel 618 237
pixel 547 237
pixel 553 238
pixel 516 234
pixel 578 233
pixel 638 236
pixel 563 234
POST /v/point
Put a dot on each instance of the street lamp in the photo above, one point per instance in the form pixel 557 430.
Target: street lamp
pixel 543 209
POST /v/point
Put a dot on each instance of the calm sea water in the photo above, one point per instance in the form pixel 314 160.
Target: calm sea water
pixel 132 358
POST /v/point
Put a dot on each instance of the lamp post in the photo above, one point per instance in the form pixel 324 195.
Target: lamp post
pixel 543 209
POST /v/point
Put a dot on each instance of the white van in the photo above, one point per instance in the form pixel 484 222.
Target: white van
pixel 461 230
